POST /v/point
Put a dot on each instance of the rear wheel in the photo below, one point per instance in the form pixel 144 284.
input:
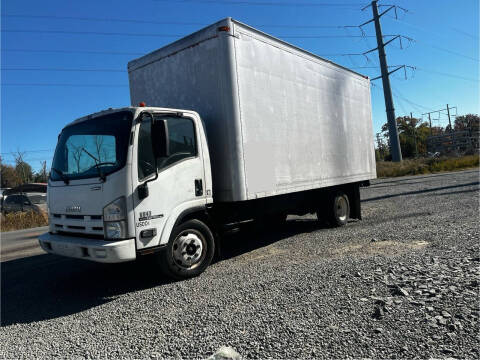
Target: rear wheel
pixel 189 251
pixel 337 210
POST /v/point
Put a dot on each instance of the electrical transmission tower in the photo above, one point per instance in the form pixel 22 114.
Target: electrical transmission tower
pixel 387 91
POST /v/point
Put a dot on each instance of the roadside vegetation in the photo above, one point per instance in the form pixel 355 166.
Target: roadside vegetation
pixel 426 165
pixel 23 220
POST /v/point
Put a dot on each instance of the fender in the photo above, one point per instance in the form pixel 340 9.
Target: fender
pixel 189 211
pixel 178 214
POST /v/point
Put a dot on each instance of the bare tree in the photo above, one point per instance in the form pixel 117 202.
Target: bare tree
pixel 77 152
pixel 23 169
pixel 44 171
pixel 98 140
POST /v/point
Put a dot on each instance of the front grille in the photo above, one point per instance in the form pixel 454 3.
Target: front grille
pixel 90 226
pixel 76 227
pixel 79 234
pixel 74 217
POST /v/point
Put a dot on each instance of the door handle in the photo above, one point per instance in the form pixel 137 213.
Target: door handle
pixel 198 187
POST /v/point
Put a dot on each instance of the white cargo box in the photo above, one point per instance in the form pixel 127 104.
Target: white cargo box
pixel 279 119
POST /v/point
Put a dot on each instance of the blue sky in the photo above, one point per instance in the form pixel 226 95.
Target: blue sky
pixel 34 109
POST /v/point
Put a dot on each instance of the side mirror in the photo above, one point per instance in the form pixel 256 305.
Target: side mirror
pixel 160 141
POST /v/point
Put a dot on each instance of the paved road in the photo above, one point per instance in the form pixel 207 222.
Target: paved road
pixel 21 243
pixel 401 283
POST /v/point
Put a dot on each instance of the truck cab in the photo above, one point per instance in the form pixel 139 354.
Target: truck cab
pixel 122 180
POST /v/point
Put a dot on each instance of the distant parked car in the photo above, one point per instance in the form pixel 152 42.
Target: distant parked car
pixel 24 202
pixel 2 197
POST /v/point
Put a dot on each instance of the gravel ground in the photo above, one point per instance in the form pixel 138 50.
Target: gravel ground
pixel 402 283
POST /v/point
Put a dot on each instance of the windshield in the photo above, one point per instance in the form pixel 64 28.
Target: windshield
pixel 92 147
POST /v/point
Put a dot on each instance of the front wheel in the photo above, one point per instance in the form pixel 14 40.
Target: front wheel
pixel 189 251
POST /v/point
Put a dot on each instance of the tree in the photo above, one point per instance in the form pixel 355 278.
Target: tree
pixel 9 177
pixel 469 122
pixel 42 175
pixel 412 135
pixel 408 134
pixel 22 168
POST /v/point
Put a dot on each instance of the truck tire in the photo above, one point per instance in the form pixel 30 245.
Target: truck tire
pixel 189 251
pixel 337 210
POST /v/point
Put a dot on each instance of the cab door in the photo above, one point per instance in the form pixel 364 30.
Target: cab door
pixel 176 185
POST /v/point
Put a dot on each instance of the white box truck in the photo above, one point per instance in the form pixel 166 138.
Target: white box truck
pixel 227 126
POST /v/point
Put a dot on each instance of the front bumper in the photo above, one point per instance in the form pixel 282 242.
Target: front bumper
pixel 89 249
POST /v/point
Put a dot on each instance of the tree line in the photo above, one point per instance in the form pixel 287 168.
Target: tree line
pixel 21 173
pixel 413 134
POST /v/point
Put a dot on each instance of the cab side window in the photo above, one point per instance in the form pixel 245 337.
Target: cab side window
pixel 182 141
pixel 182 144
pixel 146 160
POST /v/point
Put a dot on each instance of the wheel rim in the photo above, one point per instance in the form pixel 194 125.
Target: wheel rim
pixel 341 208
pixel 189 249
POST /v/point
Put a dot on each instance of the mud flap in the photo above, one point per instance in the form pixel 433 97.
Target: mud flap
pixel 355 205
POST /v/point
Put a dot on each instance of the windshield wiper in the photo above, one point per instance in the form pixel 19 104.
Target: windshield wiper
pixel 65 179
pixel 97 165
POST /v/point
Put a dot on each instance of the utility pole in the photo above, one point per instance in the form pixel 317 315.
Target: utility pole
pixel 44 171
pixel 414 134
pixel 387 91
pixel 451 129
pixel 449 121
pixel 439 112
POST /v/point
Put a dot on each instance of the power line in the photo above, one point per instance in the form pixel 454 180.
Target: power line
pixel 433 33
pixel 399 95
pixel 264 3
pixel 26 151
pixel 448 51
pixel 89 33
pixel 62 69
pixel 92 52
pixel 424 70
pixel 169 35
pixel 64 85
pixel 465 33
pixel 84 18
pixel 448 75
pixel 142 21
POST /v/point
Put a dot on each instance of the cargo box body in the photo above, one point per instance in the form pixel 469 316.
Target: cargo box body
pixel 278 119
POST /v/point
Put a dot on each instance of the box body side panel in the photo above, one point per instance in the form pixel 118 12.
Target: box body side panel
pixel 305 122
pixel 198 76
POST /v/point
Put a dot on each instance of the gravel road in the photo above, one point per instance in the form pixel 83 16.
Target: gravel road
pixel 402 283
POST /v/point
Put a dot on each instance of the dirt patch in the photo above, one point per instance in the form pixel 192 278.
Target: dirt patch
pixel 388 248
pixel 268 251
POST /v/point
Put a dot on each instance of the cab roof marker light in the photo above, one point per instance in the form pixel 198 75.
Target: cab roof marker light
pixel 224 28
pixel 142 104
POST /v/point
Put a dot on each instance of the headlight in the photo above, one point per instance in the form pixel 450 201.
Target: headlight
pixel 114 219
pixel 115 211
pixel 115 230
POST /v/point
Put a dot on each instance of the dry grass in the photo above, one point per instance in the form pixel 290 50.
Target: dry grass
pixel 23 220
pixel 426 166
